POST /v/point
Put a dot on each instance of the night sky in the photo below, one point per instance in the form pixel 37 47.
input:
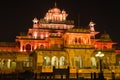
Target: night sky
pixel 16 15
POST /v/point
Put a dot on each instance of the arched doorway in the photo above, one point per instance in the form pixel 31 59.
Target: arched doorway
pixel 54 61
pixel 78 61
pixel 93 62
pixel 62 61
pixel 46 61
pixel 13 64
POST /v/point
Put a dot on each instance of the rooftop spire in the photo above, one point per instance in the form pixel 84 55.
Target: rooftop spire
pixel 55 4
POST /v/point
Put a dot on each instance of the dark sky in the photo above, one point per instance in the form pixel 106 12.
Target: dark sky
pixel 16 15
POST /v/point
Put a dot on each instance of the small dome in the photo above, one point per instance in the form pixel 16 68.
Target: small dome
pixel 105 37
pixel 55 10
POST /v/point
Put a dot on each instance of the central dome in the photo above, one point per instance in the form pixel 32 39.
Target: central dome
pixel 55 15
pixel 55 10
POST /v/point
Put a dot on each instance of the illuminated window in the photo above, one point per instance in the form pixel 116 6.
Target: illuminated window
pixel 13 64
pixel 93 62
pixel 35 35
pixel 46 61
pixel 46 35
pixel 62 61
pixel 4 63
pixel 54 61
pixel 41 36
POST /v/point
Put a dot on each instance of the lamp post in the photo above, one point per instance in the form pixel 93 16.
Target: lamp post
pixel 100 55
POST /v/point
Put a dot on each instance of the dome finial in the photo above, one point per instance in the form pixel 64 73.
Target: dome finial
pixel 55 4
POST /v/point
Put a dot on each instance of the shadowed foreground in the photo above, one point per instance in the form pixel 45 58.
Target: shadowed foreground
pixel 57 74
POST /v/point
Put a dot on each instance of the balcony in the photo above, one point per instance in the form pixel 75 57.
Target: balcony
pixel 80 46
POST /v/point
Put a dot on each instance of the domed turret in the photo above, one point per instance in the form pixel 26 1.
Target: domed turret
pixel 35 22
pixel 55 10
pixel 105 37
pixel 55 14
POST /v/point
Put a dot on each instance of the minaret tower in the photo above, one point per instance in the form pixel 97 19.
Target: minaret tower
pixel 92 29
pixel 35 22
pixel 91 25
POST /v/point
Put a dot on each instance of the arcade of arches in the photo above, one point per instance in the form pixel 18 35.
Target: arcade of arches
pixel 74 58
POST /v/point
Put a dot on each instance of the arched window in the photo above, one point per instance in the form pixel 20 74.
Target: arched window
pixel 13 64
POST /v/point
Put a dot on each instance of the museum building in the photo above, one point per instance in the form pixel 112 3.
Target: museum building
pixel 55 41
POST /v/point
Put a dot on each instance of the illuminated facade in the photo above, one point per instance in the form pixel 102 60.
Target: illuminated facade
pixel 55 41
